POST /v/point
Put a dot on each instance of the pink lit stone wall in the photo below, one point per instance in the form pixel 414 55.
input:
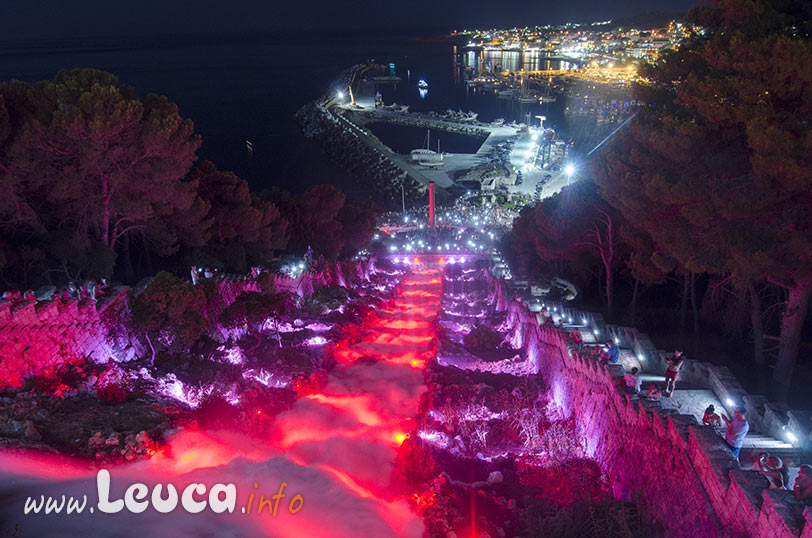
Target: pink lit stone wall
pixel 38 337
pixel 35 338
pixel 681 472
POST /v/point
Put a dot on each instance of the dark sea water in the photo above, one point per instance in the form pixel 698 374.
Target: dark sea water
pixel 403 139
pixel 248 87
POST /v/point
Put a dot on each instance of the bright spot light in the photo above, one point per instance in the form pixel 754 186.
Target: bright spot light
pixel 617 340
pixel 569 170
pixel 341 95
pixel 641 358
pixel 730 402
pixel 399 438
pixel 792 437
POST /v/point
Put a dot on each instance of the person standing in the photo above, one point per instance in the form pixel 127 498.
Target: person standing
pixel 737 429
pixel 576 339
pixel 675 362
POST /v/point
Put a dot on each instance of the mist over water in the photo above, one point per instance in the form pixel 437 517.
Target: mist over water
pixel 337 449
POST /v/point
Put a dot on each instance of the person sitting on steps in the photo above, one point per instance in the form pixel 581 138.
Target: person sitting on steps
pixel 612 352
pixel 632 381
pixel 711 418
pixel 803 485
pixel 654 394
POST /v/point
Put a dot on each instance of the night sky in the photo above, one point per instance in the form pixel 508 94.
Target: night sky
pixel 32 19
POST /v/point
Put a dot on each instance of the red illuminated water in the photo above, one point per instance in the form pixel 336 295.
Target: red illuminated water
pixel 336 449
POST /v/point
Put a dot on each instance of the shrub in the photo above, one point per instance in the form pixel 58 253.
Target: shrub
pixel 482 338
pixel 607 518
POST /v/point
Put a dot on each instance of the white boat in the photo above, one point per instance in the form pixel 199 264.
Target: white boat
pixel 425 156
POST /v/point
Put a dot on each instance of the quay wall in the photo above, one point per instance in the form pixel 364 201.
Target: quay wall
pixel 344 143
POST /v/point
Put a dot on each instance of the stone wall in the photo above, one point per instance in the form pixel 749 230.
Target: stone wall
pixel 765 417
pixel 37 337
pixel 682 473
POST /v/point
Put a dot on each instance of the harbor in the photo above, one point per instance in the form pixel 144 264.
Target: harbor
pixel 507 158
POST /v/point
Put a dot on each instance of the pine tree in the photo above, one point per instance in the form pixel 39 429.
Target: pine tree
pixel 717 166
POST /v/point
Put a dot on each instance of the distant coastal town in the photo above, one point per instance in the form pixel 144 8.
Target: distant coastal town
pixel 583 71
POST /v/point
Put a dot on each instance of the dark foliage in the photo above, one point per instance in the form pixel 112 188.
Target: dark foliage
pixel 169 313
pixel 482 338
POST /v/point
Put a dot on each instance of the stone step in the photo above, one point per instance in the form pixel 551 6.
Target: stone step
pixel 763 441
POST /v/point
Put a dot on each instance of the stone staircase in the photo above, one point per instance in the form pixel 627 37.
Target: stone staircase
pixel 742 498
